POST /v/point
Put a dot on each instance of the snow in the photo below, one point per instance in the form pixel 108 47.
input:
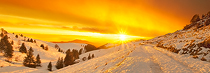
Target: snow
pixel 142 56
pixel 16 66
pixel 66 46
pixel 131 57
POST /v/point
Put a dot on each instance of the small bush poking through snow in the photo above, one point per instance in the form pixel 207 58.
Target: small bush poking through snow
pixel 195 57
pixel 84 58
pixel 203 59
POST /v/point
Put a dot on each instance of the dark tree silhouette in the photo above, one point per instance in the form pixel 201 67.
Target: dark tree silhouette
pixel 93 56
pixel 21 35
pixel 75 54
pixel 31 49
pixel 69 59
pixel 49 67
pixel 2 34
pixel 56 46
pixel 89 57
pixel 80 51
pixel 42 45
pixel 38 61
pixel 23 48
pixel 7 47
pixel 58 64
pixel 16 36
pixel 28 40
pixel 34 41
pixel 31 40
pixel 29 59
pixel 61 63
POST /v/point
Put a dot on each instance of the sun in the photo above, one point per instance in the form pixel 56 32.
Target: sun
pixel 122 37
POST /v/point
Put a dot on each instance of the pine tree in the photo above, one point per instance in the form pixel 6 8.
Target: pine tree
pixel 38 61
pixel 8 51
pixel 23 48
pixel 12 42
pixel 21 35
pixel 89 57
pixel 2 34
pixel 28 40
pixel 80 51
pixel 69 59
pixel 93 56
pixel 34 41
pixel 75 54
pixel 68 51
pixel 59 50
pixel 16 36
pixel 7 47
pixel 46 48
pixel 31 49
pixel 31 40
pixel 56 46
pixel 58 64
pixel 49 67
pixel 61 62
pixel 42 45
pixel 29 59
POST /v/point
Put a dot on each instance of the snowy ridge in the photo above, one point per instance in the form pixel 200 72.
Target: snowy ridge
pixel 193 40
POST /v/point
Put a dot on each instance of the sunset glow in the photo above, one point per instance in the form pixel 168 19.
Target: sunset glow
pixel 94 20
pixel 122 37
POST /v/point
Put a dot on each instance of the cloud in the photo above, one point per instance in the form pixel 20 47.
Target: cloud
pixel 88 29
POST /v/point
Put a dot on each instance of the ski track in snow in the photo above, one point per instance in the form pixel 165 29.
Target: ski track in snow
pixel 139 59
pixel 130 58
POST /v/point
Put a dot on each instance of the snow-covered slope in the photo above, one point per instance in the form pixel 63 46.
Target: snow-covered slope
pixel 135 58
pixel 51 55
pixel 66 46
pixel 193 40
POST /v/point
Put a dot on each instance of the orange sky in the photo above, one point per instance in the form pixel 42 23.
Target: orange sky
pixel 97 20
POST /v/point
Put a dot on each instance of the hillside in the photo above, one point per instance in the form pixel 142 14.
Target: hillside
pixel 16 62
pixel 193 40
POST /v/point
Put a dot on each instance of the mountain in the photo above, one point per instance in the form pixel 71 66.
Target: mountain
pixel 74 41
pixel 77 41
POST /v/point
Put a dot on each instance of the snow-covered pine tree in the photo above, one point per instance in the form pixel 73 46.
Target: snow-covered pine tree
pixel 49 67
pixel 69 59
pixel 29 59
pixel 38 61
pixel 31 49
pixel 23 48
pixel 89 57
pixel 8 51
pixel 58 64
pixel 16 36
pixel 61 62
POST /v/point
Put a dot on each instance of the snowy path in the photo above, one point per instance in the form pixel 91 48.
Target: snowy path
pixel 140 59
pixel 129 58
